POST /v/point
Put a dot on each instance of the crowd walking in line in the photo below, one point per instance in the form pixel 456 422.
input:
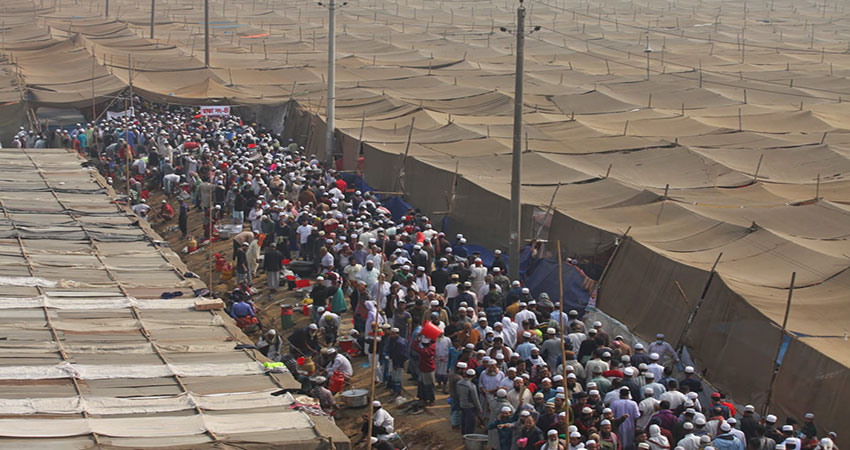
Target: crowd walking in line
pixel 517 368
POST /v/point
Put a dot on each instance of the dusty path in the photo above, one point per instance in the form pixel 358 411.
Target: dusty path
pixel 428 430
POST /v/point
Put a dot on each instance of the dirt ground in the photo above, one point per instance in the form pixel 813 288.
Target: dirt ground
pixel 427 430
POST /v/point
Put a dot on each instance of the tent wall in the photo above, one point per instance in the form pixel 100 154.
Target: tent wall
pixel 481 214
pixel 12 116
pixel 810 381
pixel 271 116
pixel 578 238
pixel 427 187
pixel 732 340
pixel 381 168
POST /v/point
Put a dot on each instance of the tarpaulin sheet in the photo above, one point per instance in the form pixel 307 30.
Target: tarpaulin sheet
pixel 542 277
pixel 90 311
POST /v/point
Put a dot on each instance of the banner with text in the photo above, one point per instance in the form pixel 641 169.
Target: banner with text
pixel 116 115
pixel 215 110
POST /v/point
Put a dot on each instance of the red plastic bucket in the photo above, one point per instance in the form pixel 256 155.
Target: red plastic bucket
pixel 431 331
pixel 346 344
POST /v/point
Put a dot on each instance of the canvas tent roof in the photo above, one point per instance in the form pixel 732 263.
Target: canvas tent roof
pixel 92 356
pixel 721 148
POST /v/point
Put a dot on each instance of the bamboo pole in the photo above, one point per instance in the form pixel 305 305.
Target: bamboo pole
pixel 372 382
pixel 779 347
pixel 563 330
pixel 127 151
pixel 404 157
pixel 610 260
pixel 210 241
pixel 681 343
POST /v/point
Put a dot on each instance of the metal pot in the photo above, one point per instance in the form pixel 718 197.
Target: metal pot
pixel 474 441
pixel 355 398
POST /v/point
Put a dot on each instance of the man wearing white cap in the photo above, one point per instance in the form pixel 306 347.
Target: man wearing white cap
pixel 490 380
pixel 454 379
pixel 551 348
pixel 554 443
pixel 427 366
pixel 382 422
pixel 625 407
pixel 690 441
pixel 664 349
pixel 770 430
pixel 524 349
pixel 657 388
pixel 725 440
pixel 469 404
pixel 749 422
pixel 500 432
pixel 739 435
pixel 271 345
pixel 647 407
pixel 691 381
pixel 655 366
pixel 337 362
pixel 519 395
pixel 525 314
pixel 477 275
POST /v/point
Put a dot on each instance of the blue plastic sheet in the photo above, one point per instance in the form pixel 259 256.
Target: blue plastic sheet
pixel 397 207
pixel 542 276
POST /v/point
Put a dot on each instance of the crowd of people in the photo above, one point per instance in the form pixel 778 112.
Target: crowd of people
pixel 515 367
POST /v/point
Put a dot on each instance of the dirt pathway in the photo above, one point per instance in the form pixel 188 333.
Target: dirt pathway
pixel 427 430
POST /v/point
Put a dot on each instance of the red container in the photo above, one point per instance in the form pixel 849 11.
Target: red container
pixel 337 382
pixel 290 277
pixel 346 344
pixel 431 331
pixel 306 310
pixel 220 261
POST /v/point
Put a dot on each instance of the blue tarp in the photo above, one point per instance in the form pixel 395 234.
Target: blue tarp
pixel 539 275
pixel 356 182
pixel 542 276
pixel 397 207
pixel 487 255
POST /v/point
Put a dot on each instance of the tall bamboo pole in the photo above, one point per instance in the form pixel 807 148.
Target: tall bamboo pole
pixel 210 230
pixel 563 331
pixel 374 365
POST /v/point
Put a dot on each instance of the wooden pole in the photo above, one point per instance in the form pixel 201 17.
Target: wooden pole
pixel 610 260
pixel 682 294
pixel 374 364
pixel 548 210
pixel 779 347
pixel 93 107
pixel 127 151
pixel 210 241
pixel 817 189
pixel 563 326
pixel 404 158
pixel 694 312
pixel 758 167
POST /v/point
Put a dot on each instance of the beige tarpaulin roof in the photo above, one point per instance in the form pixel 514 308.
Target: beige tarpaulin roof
pixel 743 111
pixel 91 354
